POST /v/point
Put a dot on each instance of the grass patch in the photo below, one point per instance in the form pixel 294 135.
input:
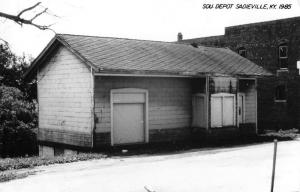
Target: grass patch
pixel 10 167
pixel 281 135
pixel 30 162
pixel 10 175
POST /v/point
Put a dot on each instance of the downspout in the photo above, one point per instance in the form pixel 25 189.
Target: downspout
pixel 237 103
pixel 38 107
pixel 255 86
pixel 207 103
pixel 92 107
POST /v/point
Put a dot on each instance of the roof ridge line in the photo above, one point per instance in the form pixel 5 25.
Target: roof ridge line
pixel 142 40
pixel 77 53
pixel 125 38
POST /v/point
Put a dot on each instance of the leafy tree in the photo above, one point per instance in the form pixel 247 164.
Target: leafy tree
pixel 18 119
pixel 12 69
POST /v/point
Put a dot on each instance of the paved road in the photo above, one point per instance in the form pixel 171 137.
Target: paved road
pixel 241 169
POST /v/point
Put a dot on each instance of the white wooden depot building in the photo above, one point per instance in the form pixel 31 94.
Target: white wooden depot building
pixel 100 91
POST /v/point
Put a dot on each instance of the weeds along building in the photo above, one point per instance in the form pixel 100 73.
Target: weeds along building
pixel 100 91
pixel 274 45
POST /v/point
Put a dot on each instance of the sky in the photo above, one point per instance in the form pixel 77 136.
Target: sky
pixel 159 20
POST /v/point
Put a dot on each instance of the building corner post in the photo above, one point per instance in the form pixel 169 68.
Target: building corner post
pixel 92 108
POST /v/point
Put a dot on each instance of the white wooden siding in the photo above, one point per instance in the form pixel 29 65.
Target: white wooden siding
pixel 169 100
pixel 250 104
pixel 64 87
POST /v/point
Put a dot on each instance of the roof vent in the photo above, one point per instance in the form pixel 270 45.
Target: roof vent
pixel 179 36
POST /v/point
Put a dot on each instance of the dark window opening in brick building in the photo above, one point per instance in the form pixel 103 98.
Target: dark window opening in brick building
pixel 280 93
pixel 58 151
pixel 242 52
pixel 283 56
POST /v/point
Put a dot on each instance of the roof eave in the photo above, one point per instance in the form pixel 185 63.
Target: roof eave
pixel 48 49
pixel 145 73
pixel 37 60
pixel 186 74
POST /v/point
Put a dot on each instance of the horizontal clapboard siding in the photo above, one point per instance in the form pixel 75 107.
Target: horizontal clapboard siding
pixel 250 104
pixel 72 138
pixel 64 95
pixel 169 101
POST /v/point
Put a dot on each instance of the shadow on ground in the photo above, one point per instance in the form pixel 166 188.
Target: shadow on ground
pixel 212 144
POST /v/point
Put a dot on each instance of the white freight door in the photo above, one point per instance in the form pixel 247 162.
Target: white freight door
pixel 222 110
pixel 128 123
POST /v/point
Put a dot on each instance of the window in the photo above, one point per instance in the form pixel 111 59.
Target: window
pixel 283 56
pixel 242 52
pixel 280 93
pixel 222 110
pixel 58 151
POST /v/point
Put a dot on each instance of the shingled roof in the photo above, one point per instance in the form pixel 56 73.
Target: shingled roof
pixel 119 55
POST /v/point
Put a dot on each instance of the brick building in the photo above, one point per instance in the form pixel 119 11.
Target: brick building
pixel 275 45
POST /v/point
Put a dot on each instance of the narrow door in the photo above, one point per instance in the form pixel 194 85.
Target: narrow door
pixel 241 108
pixel 128 123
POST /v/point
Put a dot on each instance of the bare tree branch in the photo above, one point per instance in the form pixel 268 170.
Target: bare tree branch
pixel 37 15
pixel 28 9
pixel 148 190
pixel 19 20
pixel 49 12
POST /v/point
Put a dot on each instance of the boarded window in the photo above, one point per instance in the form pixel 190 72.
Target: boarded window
pixel 280 93
pixel 283 56
pixel 222 110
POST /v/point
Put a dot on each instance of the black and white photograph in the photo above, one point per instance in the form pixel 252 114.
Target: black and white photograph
pixel 149 95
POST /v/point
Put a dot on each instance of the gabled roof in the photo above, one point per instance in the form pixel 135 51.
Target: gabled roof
pixel 119 55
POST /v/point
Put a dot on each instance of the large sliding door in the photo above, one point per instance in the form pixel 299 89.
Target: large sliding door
pixel 129 116
pixel 129 123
